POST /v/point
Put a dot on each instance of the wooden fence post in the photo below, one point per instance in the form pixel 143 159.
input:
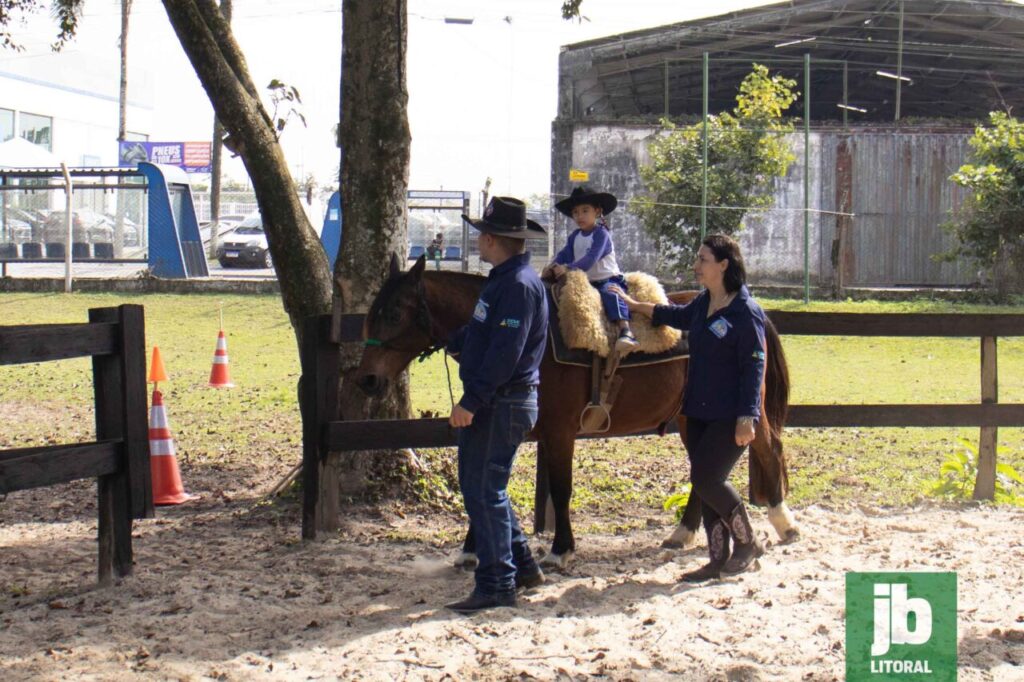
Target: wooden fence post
pixel 318 402
pixel 114 490
pixel 985 485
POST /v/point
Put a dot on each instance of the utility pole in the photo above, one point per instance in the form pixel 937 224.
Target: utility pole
pixel 122 128
pixel 215 157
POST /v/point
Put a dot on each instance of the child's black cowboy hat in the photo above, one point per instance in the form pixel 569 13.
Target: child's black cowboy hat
pixel 585 195
pixel 506 217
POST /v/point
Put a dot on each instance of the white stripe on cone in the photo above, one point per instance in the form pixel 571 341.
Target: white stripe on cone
pixel 167 486
pixel 220 376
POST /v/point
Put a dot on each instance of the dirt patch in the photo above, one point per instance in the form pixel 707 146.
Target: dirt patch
pixel 223 589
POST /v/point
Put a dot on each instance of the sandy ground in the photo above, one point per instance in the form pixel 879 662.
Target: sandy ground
pixel 223 589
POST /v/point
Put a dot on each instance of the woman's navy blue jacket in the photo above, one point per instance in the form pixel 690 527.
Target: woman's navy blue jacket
pixel 503 344
pixel 727 355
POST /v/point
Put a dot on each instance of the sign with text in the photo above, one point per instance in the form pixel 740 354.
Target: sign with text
pixel 577 175
pixel 192 157
pixel 901 626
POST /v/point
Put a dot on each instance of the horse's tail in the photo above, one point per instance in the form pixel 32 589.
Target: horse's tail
pixel 776 374
pixel 769 479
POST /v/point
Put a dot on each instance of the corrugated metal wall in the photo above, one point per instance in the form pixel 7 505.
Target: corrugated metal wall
pixel 896 181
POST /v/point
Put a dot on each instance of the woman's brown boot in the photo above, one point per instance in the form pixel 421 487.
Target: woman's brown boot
pixel 746 547
pixel 718 550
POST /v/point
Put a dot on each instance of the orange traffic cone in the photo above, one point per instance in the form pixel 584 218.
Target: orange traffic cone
pixel 167 487
pixel 220 375
pixel 157 372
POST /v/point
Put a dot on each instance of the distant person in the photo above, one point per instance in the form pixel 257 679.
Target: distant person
pixel 436 250
pixel 722 400
pixel 589 248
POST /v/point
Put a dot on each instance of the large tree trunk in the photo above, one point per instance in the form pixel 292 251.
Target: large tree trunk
pixel 375 140
pixel 299 259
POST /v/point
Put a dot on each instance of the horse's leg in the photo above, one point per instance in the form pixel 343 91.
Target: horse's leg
pixel 685 534
pixel 779 514
pixel 768 480
pixel 558 449
pixel 467 559
pixel 544 511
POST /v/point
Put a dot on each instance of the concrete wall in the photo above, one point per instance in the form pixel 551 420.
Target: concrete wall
pixel 894 180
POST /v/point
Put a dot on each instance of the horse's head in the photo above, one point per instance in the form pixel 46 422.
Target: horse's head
pixel 398 328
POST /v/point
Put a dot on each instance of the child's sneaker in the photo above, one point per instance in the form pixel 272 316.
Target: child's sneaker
pixel 626 342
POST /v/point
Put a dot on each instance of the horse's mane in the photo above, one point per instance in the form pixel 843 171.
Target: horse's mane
pixel 456 278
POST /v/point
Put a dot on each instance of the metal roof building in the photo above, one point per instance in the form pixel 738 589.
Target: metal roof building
pixel 895 90
pixel 962 58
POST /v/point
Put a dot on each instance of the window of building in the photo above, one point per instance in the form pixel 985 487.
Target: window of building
pixel 6 124
pixel 36 129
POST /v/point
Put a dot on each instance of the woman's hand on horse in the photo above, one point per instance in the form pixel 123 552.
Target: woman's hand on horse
pixel 744 431
pixel 461 417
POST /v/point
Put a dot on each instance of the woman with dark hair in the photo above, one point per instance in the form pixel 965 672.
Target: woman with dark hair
pixel 722 400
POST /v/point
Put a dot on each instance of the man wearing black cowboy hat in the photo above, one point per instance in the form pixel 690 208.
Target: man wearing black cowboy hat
pixel 500 351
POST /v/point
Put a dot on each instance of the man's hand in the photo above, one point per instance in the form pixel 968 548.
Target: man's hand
pixel 460 417
pixel 744 431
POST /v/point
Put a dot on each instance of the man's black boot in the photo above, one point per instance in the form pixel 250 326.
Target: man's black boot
pixel 480 602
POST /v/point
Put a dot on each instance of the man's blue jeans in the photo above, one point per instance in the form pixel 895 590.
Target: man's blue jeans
pixel 487 449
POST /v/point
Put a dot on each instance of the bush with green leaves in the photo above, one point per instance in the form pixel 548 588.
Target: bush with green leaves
pixel 989 227
pixel 747 151
pixel 677 502
pixel 960 470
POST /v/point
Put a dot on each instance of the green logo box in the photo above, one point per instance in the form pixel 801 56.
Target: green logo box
pixel 901 626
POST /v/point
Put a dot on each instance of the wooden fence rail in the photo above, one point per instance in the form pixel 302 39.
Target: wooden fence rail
pixel 321 434
pixel 119 458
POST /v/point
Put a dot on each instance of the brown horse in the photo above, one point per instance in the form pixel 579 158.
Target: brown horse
pixel 417 310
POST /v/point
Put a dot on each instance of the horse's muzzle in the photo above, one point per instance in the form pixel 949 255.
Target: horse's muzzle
pixel 371 384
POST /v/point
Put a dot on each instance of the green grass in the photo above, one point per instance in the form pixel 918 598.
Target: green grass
pixel 617 480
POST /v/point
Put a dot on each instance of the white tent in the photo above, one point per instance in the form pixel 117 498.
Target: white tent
pixel 18 152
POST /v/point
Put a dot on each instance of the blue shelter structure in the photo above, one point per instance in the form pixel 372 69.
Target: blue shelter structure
pixel 175 246
pixel 439 200
pixel 330 235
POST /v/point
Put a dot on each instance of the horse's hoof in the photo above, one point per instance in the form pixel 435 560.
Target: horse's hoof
pixel 791 536
pixel 466 560
pixel 556 561
pixel 681 538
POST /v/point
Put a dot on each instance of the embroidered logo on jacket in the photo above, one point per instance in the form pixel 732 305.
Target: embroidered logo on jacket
pixel 720 327
pixel 509 322
pixel 480 312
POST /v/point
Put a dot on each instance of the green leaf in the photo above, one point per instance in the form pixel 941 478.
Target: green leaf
pixel 1009 472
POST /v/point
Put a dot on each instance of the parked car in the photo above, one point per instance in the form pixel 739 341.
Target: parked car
pixel 15 230
pixel 224 225
pixel 88 226
pixel 245 245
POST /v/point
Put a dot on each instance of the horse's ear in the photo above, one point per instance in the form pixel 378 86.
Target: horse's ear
pixel 417 270
pixel 395 266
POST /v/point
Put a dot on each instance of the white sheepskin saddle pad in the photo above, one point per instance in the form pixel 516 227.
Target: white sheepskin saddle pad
pixel 583 323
